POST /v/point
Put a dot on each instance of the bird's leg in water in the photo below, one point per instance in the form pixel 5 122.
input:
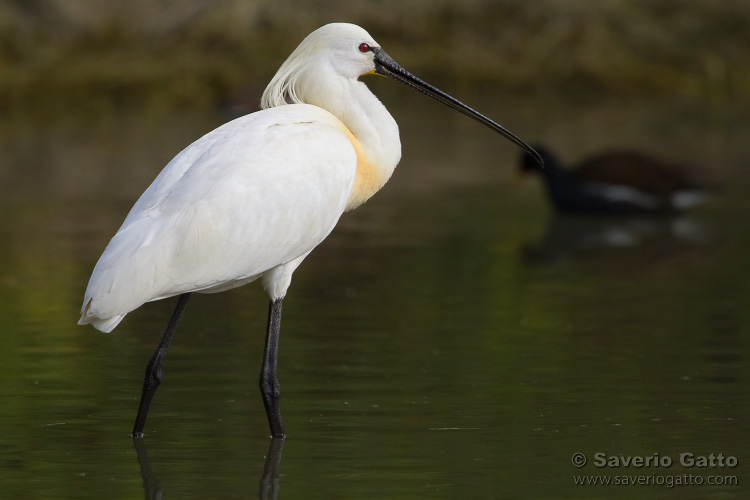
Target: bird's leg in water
pixel 269 382
pixel 154 370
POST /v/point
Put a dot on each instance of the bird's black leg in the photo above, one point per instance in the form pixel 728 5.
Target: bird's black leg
pixel 154 369
pixel 269 383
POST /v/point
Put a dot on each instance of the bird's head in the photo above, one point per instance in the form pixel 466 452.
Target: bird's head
pixel 334 50
pixel 345 49
pixel 530 164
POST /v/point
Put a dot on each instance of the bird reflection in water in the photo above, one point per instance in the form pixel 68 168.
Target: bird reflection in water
pixel 269 480
pixel 575 236
pixel 151 486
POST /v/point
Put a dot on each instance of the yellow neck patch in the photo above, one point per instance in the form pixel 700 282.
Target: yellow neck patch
pixel 368 179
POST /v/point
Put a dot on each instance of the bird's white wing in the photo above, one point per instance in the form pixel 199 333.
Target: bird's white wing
pixel 253 194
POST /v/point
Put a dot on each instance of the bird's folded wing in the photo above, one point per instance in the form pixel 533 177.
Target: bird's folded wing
pixel 255 193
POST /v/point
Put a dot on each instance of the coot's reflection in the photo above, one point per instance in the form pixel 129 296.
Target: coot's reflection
pixel 269 480
pixel 578 236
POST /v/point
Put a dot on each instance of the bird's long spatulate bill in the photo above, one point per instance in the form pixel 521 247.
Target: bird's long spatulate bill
pixel 386 66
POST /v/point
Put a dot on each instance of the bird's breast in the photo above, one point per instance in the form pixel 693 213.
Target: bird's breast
pixel 370 175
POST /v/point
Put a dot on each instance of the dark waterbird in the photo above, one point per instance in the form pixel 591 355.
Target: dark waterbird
pixel 617 182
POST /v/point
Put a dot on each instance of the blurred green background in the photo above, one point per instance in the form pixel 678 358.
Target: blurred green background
pixel 204 52
pixel 444 341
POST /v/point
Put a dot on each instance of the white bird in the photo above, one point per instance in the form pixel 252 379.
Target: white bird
pixel 254 197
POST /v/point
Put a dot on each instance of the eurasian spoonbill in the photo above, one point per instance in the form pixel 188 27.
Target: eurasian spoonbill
pixel 254 197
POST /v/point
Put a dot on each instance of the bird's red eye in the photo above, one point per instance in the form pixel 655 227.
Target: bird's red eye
pixel 363 47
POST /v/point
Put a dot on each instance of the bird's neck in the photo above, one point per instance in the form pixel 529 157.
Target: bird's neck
pixel 372 131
